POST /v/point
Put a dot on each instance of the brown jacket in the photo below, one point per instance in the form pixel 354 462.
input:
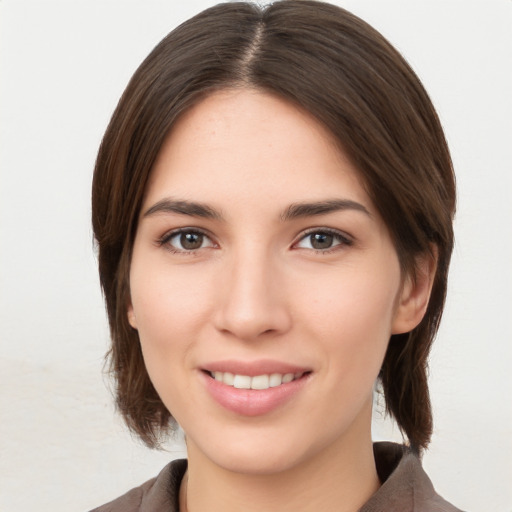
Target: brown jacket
pixel 405 487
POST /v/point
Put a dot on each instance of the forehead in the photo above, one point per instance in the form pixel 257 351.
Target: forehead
pixel 249 144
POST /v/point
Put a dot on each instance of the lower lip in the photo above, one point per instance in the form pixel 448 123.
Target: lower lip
pixel 253 402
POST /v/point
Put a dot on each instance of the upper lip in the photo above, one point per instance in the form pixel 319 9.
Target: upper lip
pixel 253 368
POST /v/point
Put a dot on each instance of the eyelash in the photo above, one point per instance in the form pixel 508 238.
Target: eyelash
pixel 342 239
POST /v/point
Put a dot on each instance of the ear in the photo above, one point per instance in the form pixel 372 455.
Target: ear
pixel 131 316
pixel 415 294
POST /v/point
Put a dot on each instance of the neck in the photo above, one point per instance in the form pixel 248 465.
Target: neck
pixel 341 478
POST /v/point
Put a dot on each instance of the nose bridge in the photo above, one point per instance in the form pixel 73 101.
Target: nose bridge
pixel 252 300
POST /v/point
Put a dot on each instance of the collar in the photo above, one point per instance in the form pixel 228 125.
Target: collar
pixel 405 487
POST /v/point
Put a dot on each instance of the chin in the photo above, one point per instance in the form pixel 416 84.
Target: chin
pixel 257 456
pixel 266 462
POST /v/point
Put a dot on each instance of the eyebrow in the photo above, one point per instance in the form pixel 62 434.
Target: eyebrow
pixel 298 210
pixel 191 208
pixel 294 211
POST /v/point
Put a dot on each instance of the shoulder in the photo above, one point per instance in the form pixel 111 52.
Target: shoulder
pixel 160 493
pixel 405 485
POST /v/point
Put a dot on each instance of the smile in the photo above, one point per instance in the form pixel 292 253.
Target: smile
pixel 256 387
pixel 258 382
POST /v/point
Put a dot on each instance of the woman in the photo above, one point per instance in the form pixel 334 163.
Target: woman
pixel 273 204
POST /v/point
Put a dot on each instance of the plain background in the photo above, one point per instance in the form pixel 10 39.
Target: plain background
pixel 63 68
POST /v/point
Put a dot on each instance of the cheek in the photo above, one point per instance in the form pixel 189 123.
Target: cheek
pixel 169 308
pixel 360 300
pixel 351 316
pixel 166 297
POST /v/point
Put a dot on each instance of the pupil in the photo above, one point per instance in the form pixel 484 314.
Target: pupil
pixel 321 240
pixel 191 240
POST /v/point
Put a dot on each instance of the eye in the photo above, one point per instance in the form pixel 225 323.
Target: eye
pixel 322 240
pixel 186 240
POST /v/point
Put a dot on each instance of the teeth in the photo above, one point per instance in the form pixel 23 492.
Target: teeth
pixel 276 379
pixel 257 382
pixel 260 382
pixel 288 377
pixel 228 379
pixel 242 382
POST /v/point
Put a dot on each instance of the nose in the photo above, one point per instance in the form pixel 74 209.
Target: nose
pixel 253 301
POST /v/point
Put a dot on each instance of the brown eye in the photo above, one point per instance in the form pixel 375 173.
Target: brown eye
pixel 321 240
pixel 191 241
pixel 187 241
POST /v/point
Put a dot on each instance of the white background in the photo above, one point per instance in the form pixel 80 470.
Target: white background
pixel 63 67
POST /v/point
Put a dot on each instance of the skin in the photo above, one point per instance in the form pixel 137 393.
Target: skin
pixel 256 288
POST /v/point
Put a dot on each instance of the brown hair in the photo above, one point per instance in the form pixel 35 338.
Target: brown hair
pixel 353 81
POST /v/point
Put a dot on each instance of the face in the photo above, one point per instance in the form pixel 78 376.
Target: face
pixel 264 286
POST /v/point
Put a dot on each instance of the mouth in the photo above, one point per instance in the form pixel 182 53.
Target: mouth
pixel 256 382
pixel 253 388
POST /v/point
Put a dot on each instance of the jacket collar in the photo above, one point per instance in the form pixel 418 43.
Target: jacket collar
pixel 405 487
